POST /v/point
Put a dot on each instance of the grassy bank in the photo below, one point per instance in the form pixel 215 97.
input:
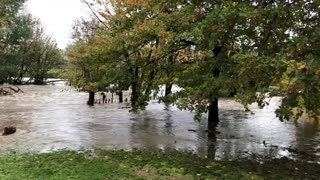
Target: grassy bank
pixel 145 165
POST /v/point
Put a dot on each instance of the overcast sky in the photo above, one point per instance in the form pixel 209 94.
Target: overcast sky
pixel 57 16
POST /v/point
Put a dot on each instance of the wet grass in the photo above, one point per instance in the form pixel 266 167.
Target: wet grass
pixel 145 165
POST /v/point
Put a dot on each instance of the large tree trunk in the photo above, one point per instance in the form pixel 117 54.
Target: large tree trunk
pixel 120 97
pixel 147 92
pixel 168 89
pixel 134 95
pixel 135 91
pixel 213 116
pixel 91 98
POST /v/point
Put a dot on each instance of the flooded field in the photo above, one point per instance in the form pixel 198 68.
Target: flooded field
pixel 56 117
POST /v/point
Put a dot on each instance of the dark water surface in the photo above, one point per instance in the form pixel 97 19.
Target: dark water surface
pixel 55 117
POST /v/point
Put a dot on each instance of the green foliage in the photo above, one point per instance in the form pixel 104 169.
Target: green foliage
pixel 44 55
pixel 209 48
pixel 301 74
pixel 60 73
pixel 8 11
pixel 24 48
pixel 6 72
pixel 13 29
pixel 85 71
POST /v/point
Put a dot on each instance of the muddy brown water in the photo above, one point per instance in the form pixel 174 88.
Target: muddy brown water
pixel 56 117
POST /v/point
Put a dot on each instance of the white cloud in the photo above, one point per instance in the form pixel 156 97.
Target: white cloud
pixel 57 16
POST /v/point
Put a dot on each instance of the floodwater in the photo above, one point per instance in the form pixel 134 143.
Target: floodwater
pixel 50 118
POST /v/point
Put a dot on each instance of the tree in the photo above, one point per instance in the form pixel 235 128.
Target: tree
pixel 24 47
pixel 243 46
pixel 137 42
pixel 43 54
pixel 86 70
pixel 300 79
pixel 212 49
pixel 10 35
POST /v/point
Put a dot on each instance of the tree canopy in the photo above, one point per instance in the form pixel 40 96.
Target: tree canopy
pixel 25 49
pixel 209 48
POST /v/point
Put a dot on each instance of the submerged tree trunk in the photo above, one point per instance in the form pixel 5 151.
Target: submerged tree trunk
pixel 38 81
pixel 147 92
pixel 213 116
pixel 91 98
pixel 120 97
pixel 134 95
pixel 168 89
pixel 135 91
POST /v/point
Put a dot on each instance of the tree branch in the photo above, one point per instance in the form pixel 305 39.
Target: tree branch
pixel 95 14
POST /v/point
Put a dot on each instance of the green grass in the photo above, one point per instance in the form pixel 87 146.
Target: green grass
pixel 107 164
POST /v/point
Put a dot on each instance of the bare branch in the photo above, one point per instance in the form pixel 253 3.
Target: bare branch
pixel 95 14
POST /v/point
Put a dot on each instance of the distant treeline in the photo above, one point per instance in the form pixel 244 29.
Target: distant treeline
pixel 25 49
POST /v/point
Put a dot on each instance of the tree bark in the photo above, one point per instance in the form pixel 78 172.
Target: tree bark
pixel 134 95
pixel 147 92
pixel 213 116
pixel 120 97
pixel 168 89
pixel 135 91
pixel 91 98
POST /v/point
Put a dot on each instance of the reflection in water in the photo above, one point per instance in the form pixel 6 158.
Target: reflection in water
pixel 56 117
pixel 212 141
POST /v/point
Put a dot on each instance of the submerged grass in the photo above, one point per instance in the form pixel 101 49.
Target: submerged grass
pixel 143 164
